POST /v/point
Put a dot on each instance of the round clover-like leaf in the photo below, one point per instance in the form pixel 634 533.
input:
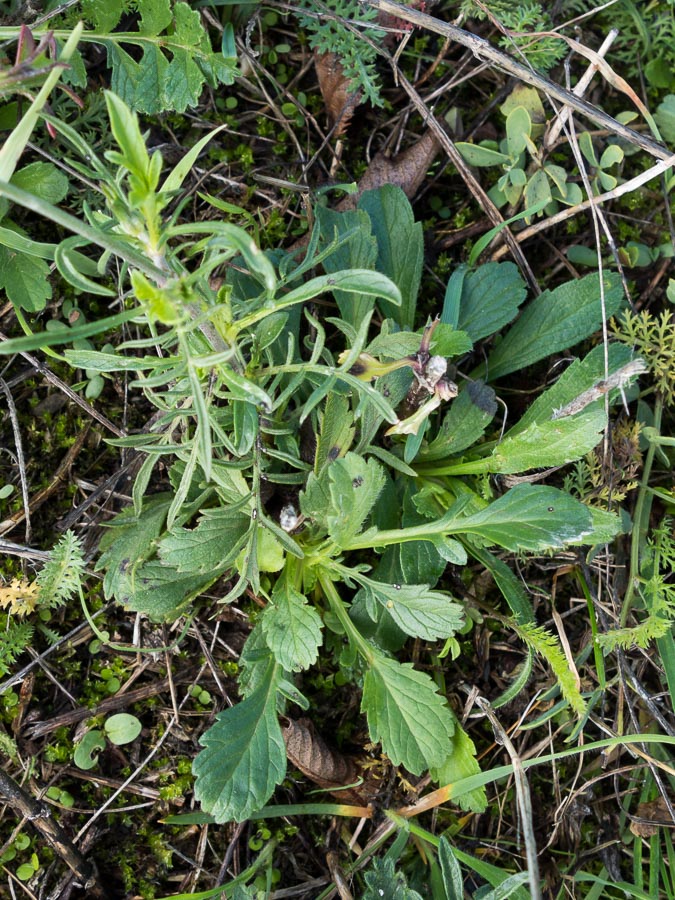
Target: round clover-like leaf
pixel 122 728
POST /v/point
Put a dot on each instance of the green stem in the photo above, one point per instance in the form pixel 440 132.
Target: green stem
pixel 425 532
pixel 96 236
pixel 474 467
pixel 339 609
pixel 597 651
pixel 641 518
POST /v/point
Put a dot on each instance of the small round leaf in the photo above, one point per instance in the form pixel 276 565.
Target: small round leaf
pixel 86 752
pixel 122 728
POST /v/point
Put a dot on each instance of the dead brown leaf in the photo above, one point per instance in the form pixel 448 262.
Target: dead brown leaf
pixel 408 170
pixel 650 817
pixel 334 85
pixel 308 751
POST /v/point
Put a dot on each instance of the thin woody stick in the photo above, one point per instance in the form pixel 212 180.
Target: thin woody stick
pixel 484 51
pixel 579 90
pixel 39 815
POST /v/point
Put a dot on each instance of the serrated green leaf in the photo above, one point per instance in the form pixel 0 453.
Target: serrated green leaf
pixel 400 248
pixel 470 414
pixel 461 763
pixel 549 443
pixel 556 320
pixel 292 628
pixel 354 486
pixel 25 280
pixel 394 345
pixel 448 342
pixel 43 180
pixel 382 880
pixel 155 17
pixel 530 517
pixel 128 541
pixel 159 592
pixel 212 546
pixel 105 14
pixel 406 714
pixel 489 300
pixel 253 661
pixel 244 756
pixel 417 610
pixel 184 81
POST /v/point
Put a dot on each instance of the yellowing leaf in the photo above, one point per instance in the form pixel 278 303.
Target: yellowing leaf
pixel 20 597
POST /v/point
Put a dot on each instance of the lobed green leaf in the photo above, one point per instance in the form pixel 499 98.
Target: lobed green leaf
pixel 244 756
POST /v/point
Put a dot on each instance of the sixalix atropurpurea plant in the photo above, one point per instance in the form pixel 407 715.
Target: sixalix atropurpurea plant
pixel 338 501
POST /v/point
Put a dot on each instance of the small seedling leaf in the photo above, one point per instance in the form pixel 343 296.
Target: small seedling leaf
pixel 478 156
pixel 86 752
pixel 122 728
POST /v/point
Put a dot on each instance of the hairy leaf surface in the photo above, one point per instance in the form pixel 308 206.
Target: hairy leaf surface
pixel 292 628
pixel 406 714
pixel 417 610
pixel 244 757
pixel 354 486
pixel 212 545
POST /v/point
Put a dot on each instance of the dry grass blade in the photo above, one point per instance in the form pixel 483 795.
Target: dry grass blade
pixel 523 796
